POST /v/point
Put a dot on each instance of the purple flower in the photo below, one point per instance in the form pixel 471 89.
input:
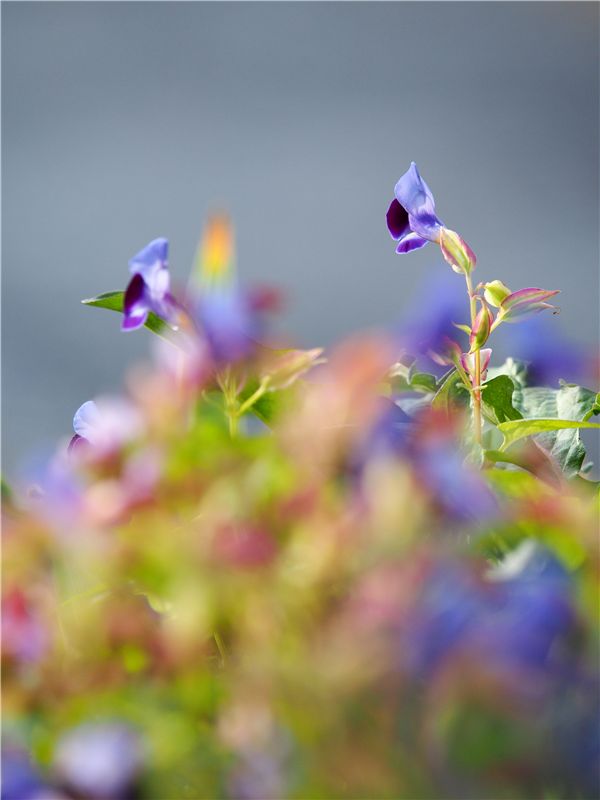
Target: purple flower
pixel 148 289
pixel 50 488
pixel 429 331
pixel 519 618
pixel 231 320
pixel 457 489
pixel 20 781
pixel 411 217
pixel 105 425
pixel 99 760
pixel 549 354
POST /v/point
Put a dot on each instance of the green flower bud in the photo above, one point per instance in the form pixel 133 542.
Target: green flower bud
pixel 457 252
pixel 481 327
pixel 495 292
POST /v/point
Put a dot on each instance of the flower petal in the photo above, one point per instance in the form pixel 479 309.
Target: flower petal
pixel 415 197
pixel 135 304
pixel 397 220
pixel 228 323
pixel 412 241
pixel 151 257
pixel 134 320
pixel 86 420
pixel 428 226
pixel 413 194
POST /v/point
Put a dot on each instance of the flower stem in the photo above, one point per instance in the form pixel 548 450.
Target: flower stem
pixel 249 402
pixel 227 383
pixel 477 390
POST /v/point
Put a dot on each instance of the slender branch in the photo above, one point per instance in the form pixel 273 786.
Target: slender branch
pixel 250 401
pixel 477 388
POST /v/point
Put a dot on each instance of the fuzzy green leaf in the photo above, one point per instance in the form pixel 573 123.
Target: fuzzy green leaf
pixel 451 391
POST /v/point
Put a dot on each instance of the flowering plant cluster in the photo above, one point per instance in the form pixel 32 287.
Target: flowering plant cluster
pixel 266 572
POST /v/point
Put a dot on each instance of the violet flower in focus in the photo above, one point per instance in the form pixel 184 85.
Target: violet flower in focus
pixel 411 217
pixel 148 289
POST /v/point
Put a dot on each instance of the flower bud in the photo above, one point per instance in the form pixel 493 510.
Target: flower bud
pixel 447 354
pixel 457 252
pixel 467 361
pixel 291 365
pixel 481 327
pixel 525 302
pixel 495 292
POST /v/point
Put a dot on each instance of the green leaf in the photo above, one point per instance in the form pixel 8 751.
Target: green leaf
pixel 404 379
pixel 595 409
pixel 423 381
pixel 497 397
pixel 114 302
pixel 451 391
pixel 570 403
pixel 566 447
pixel 266 407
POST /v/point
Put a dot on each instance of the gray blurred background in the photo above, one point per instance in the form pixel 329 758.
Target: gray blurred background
pixel 122 122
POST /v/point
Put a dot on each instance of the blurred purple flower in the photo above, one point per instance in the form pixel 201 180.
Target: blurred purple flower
pixel 20 781
pixel 49 486
pixel 386 438
pixel 550 355
pixel 261 768
pixel 229 321
pixel 456 488
pixel 411 217
pixel 148 289
pixel 99 760
pixel 510 619
pixel 105 425
pixel 534 611
pixel 429 331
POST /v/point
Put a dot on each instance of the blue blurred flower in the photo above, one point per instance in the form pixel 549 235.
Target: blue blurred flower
pixel 456 488
pixel 549 354
pixel 512 618
pixel 99 760
pixel 386 438
pixel 411 217
pixel 229 321
pixel 106 425
pixel 51 489
pixel 148 289
pixel 429 330
pixel 20 781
